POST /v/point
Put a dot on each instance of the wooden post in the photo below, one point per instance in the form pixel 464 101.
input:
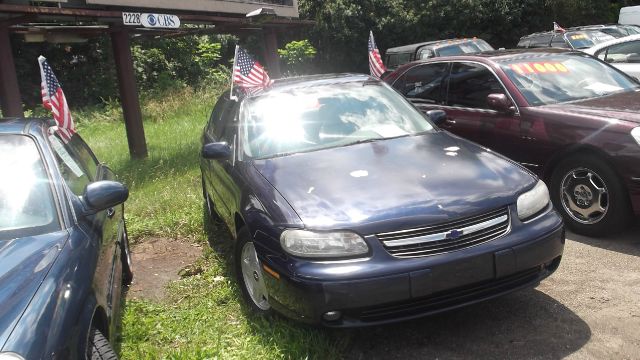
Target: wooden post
pixel 9 92
pixel 129 93
pixel 271 53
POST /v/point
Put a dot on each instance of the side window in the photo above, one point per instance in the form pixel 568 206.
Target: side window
pixel 559 42
pixel 229 123
pixel 426 54
pixel 628 52
pixel 470 84
pixel 425 82
pixel 540 41
pixel 394 60
pixel 216 115
pixel 524 43
pixel 74 173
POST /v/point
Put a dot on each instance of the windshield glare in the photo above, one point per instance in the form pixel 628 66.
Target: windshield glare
pixel 587 39
pixel 561 78
pixel 26 200
pixel 320 117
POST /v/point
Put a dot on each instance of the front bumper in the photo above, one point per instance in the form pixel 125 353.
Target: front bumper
pixel 384 288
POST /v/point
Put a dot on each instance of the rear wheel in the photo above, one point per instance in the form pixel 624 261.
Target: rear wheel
pixel 250 275
pixel 99 347
pixel 589 195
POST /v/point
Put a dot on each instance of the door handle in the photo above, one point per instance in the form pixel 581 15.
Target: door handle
pixel 110 212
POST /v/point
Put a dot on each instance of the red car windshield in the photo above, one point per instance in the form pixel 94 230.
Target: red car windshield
pixel 561 78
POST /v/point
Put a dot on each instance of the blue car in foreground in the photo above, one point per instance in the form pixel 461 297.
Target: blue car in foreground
pixel 64 252
pixel 349 207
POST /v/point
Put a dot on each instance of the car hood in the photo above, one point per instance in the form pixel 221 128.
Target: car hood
pixel 396 183
pixel 624 106
pixel 24 263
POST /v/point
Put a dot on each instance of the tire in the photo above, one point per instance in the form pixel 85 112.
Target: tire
pixel 590 196
pixel 125 257
pixel 98 347
pixel 250 276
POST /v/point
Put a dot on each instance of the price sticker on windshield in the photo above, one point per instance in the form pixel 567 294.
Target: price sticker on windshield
pixel 539 68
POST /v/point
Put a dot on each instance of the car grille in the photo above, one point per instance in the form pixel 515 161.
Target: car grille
pixel 449 299
pixel 451 236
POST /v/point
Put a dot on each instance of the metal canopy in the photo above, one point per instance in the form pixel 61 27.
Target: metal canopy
pixel 51 21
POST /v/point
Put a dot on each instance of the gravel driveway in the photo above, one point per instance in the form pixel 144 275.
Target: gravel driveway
pixel 588 309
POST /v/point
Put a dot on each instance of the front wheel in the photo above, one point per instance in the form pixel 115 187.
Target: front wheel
pixel 99 347
pixel 589 195
pixel 250 275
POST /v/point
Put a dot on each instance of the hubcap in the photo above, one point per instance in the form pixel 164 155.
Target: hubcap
pixel 252 276
pixel 584 196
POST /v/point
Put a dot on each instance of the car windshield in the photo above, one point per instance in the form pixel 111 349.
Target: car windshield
pixel 324 116
pixel 587 39
pixel 26 201
pixel 470 47
pixel 564 77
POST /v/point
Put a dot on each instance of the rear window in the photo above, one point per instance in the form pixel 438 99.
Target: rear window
pixel 586 39
pixel 27 205
pixel 395 60
pixel 470 47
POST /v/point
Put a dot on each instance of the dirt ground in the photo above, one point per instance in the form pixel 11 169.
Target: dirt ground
pixel 156 261
pixel 588 309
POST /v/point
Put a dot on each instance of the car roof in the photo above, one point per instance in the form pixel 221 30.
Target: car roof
pixel 18 125
pixel 495 55
pixel 605 44
pixel 298 82
pixel 568 30
pixel 433 44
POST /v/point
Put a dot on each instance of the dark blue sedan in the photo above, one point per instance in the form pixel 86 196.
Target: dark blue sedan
pixel 349 207
pixel 64 251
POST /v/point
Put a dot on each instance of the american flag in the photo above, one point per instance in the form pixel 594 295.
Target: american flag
pixel 376 67
pixel 557 28
pixel 53 99
pixel 248 73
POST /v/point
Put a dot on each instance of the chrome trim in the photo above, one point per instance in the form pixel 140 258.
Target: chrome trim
pixel 635 178
pixel 442 236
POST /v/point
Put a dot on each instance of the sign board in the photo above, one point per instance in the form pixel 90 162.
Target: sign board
pixel 163 21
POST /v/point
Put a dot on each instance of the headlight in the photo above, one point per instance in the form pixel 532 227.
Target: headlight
pixel 10 356
pixel 305 243
pixel 533 200
pixel 636 134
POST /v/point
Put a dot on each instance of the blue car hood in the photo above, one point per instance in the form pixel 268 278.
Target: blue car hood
pixel 396 183
pixel 24 263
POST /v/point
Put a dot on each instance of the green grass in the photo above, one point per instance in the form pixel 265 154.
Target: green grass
pixel 203 317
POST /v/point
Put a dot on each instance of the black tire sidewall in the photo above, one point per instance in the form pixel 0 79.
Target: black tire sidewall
pixel 244 237
pixel 99 347
pixel 618 212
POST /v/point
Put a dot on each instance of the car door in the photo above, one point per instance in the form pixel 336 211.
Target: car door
pixel 468 112
pixel 79 167
pixel 423 85
pixel 222 183
pixel 212 133
pixel 624 56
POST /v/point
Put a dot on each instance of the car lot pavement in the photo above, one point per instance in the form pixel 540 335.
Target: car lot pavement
pixel 588 309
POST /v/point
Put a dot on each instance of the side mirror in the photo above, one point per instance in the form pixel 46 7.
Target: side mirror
pixel 500 103
pixel 216 151
pixel 438 117
pixel 101 195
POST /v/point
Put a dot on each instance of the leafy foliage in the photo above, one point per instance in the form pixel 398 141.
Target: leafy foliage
pixel 342 26
pixel 298 55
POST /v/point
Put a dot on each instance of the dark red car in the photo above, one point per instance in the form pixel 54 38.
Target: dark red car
pixel 570 118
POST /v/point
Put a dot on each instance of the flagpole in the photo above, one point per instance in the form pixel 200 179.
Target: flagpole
pixel 233 72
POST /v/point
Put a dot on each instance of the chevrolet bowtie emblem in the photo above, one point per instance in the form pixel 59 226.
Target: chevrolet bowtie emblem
pixel 453 234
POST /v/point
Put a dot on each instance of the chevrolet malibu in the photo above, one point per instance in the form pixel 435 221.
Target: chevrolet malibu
pixel 64 251
pixel 570 118
pixel 349 207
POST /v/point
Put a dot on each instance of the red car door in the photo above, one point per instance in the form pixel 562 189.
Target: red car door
pixel 469 114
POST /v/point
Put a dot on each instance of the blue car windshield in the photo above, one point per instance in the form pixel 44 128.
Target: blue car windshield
pixel 318 117
pixel 26 200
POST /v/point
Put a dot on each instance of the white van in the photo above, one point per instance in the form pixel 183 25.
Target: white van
pixel 630 15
